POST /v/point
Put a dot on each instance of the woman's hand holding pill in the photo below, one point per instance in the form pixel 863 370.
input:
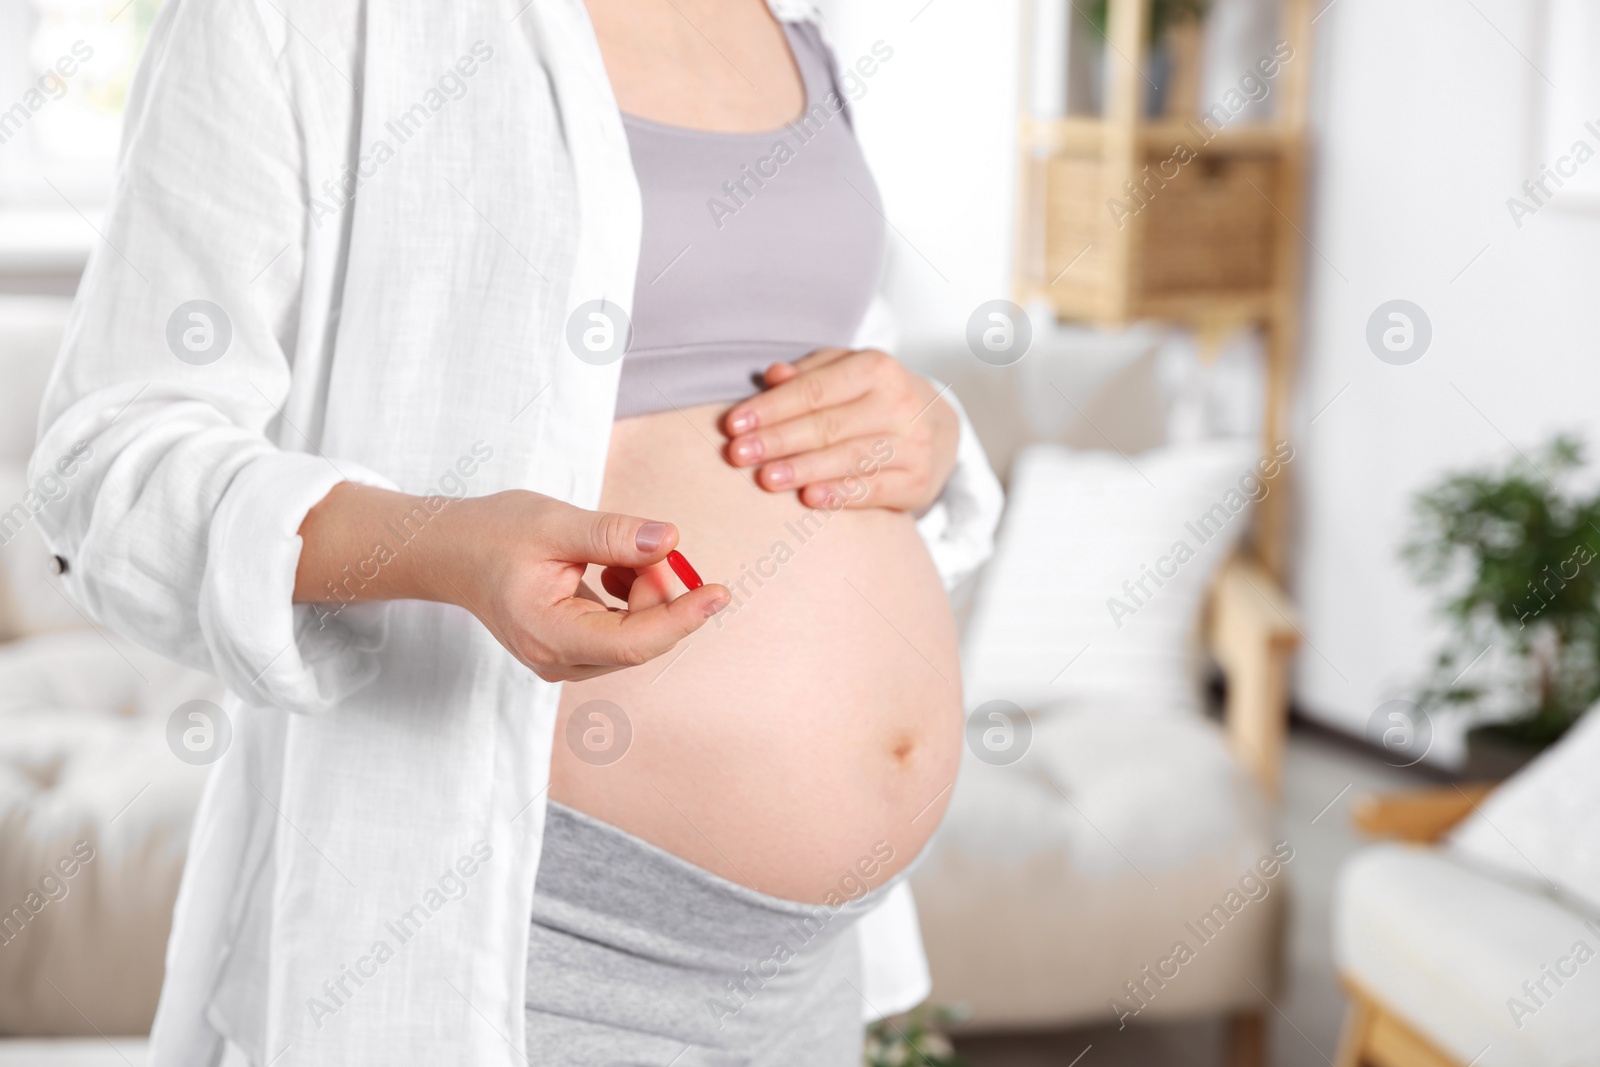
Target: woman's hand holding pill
pixel 532 553
pixel 851 428
pixel 516 560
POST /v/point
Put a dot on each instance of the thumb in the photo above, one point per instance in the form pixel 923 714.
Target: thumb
pixel 573 535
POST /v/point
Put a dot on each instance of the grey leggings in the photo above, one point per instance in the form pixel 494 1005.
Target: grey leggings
pixel 642 959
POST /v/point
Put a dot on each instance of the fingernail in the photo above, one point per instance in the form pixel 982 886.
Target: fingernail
pixel 714 606
pixel 742 421
pixel 825 498
pixel 749 450
pixel 780 474
pixel 650 536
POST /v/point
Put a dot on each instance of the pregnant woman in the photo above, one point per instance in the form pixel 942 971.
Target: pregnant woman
pixel 420 336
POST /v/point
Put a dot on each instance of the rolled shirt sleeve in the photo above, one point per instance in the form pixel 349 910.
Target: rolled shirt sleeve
pixel 959 528
pixel 173 389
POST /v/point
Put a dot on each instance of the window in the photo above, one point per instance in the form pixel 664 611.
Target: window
pixel 65 66
pixel 1570 135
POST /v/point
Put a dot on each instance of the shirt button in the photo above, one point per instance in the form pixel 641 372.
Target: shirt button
pixel 58 565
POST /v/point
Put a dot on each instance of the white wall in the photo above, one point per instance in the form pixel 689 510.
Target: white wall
pixel 939 125
pixel 1426 120
pixel 1425 117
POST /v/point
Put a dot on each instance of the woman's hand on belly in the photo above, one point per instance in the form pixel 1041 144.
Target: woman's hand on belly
pixel 847 427
pixel 516 560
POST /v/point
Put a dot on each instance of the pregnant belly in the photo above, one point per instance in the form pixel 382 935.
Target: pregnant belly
pixel 804 742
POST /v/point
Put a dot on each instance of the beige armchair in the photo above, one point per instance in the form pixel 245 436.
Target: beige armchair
pixel 1027 933
pixel 1436 951
pixel 1253 632
pixel 1374 1032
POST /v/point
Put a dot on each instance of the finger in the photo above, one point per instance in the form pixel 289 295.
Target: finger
pixel 857 457
pixel 639 589
pixel 805 433
pixel 652 587
pixel 618 581
pixel 822 357
pixel 776 375
pixel 586 636
pixel 779 373
pixel 578 536
pixel 889 488
pixel 828 383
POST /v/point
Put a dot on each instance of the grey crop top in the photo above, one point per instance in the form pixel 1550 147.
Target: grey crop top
pixel 758 247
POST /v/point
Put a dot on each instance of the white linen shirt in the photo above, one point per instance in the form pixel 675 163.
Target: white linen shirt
pixel 392 210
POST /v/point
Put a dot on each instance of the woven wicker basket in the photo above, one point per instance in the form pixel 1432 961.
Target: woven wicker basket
pixel 1209 231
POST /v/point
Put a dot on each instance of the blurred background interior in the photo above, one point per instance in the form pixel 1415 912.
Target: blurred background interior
pixel 1278 678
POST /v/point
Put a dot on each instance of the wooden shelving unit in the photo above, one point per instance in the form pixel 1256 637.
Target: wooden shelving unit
pixel 1209 236
pixel 1209 229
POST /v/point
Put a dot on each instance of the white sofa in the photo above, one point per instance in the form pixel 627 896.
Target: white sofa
pixel 1047 891
pixel 88 784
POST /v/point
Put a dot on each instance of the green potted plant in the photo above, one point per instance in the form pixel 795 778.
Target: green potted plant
pixel 1515 554
pixel 913 1040
pixel 1163 14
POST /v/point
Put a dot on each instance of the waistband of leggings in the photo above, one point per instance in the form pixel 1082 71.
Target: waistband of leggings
pixel 606 871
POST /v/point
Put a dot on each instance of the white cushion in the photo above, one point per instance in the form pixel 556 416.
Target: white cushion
pixel 85 672
pixel 1079 525
pixel 1114 792
pixel 1055 879
pixel 87 777
pixel 1447 948
pixel 1542 827
pixel 109 799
